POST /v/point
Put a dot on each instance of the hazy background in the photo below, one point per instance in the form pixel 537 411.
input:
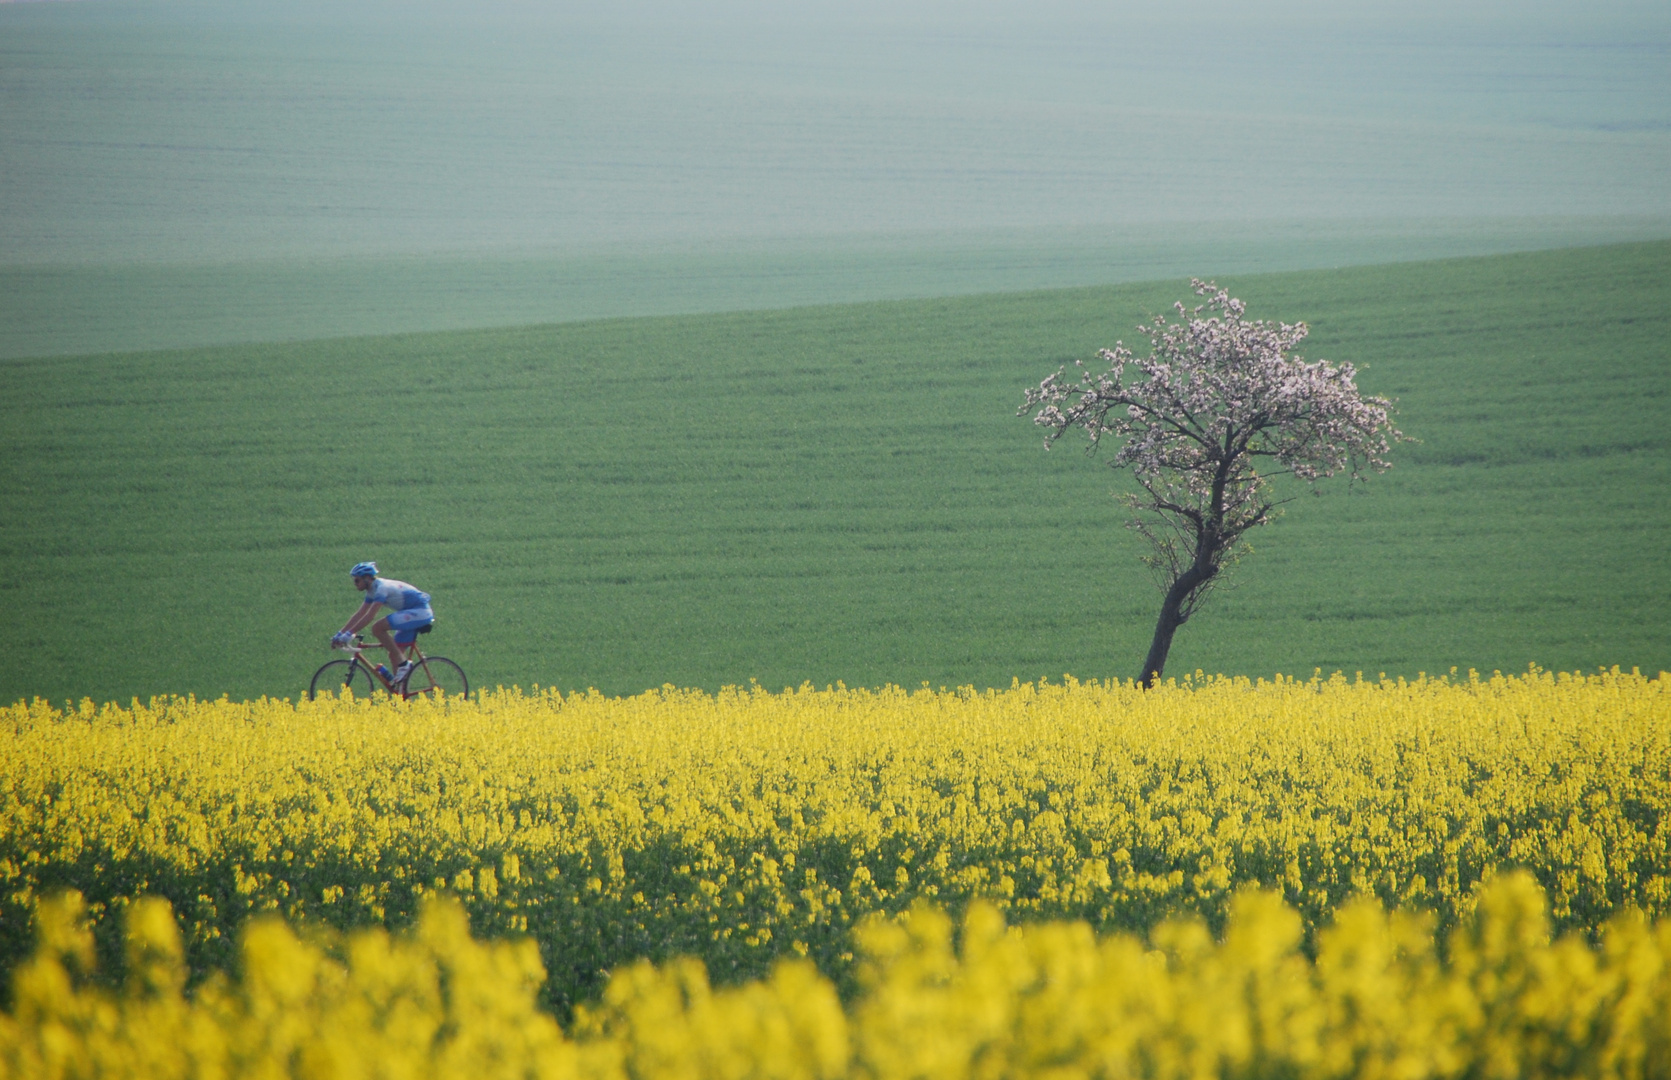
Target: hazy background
pixel 189 172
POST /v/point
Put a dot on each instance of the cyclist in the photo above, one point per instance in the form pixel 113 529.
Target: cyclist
pixel 408 613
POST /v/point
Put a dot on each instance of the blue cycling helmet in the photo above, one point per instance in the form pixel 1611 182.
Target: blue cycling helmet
pixel 363 569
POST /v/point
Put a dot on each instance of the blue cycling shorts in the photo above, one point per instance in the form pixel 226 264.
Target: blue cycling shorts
pixel 406 624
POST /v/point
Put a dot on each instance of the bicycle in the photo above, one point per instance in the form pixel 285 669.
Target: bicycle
pixel 431 675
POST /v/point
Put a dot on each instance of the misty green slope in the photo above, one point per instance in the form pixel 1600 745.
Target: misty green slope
pixel 832 493
pixel 62 310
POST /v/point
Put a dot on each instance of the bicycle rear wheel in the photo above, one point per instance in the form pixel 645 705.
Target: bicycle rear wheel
pixel 435 676
pixel 338 674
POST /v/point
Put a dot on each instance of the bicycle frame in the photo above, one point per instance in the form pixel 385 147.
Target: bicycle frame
pixel 430 675
pixel 413 653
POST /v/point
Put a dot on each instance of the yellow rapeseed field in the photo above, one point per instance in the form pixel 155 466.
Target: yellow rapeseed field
pixel 1043 1001
pixel 749 829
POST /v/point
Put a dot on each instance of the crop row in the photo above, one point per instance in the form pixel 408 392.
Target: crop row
pixel 1045 1000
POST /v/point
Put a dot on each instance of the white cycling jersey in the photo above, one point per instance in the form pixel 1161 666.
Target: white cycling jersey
pixel 396 595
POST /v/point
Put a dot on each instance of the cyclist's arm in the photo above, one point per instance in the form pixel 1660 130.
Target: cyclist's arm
pixel 363 617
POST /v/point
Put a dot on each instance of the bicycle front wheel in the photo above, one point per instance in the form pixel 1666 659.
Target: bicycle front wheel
pixel 336 675
pixel 437 676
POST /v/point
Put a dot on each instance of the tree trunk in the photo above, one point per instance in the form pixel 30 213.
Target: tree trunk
pixel 1171 617
pixel 1162 643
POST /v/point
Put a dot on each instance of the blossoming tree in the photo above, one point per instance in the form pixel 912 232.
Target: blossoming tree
pixel 1218 408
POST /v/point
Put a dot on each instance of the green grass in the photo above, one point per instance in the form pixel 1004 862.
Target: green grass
pixel 833 493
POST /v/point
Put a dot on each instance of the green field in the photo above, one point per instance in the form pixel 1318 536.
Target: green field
pixel 833 493
pixel 70 309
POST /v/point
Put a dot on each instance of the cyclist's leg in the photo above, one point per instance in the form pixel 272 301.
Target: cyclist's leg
pixel 402 629
pixel 386 638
